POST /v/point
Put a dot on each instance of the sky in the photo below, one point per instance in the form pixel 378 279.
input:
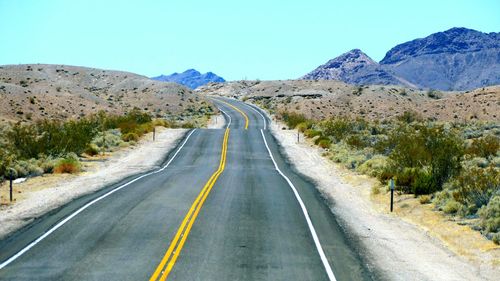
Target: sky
pixel 258 39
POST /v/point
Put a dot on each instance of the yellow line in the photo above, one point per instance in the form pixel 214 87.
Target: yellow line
pixel 237 109
pixel 189 220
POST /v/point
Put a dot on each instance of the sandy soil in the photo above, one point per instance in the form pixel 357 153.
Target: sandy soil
pixel 400 248
pixel 216 122
pixel 39 195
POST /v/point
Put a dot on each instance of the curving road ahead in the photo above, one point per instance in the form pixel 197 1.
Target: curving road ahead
pixel 225 206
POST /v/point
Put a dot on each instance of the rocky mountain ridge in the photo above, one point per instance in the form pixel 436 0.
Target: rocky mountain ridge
pixel 456 59
pixel 190 78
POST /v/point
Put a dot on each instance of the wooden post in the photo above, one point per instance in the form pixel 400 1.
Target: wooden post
pixel 154 133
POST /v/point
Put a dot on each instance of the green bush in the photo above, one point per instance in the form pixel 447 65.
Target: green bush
pixel 303 126
pixel 338 128
pixel 108 140
pixel 130 137
pixel 409 117
pixel 423 158
pixel 451 207
pixel 292 119
pixel 92 150
pixel 375 166
pixel 324 142
pixel 70 164
pixel 311 133
pixel 476 186
pixel 490 215
pixel 485 146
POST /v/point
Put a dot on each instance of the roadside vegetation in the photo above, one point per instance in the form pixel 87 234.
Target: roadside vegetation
pixel 52 146
pixel 454 166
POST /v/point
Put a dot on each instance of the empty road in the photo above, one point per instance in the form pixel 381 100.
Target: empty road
pixel 225 206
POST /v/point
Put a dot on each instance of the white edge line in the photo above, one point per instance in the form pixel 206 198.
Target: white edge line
pixel 229 117
pixel 61 223
pixel 263 118
pixel 322 255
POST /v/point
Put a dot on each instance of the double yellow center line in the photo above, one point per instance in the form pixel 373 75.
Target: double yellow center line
pixel 167 263
pixel 237 109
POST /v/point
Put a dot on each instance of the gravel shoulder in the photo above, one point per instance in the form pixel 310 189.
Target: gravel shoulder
pixel 400 249
pixel 216 122
pixel 40 195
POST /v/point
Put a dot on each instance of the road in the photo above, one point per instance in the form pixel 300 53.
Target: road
pixel 222 209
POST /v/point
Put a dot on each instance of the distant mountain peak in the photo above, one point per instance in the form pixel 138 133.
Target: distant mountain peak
pixel 191 78
pixel 354 67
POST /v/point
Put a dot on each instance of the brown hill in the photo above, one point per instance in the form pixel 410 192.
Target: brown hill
pixel 328 98
pixel 30 92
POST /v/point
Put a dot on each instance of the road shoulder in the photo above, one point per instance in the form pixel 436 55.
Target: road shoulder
pixel 399 249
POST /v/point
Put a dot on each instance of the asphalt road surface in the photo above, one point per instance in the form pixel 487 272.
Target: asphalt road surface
pixel 221 209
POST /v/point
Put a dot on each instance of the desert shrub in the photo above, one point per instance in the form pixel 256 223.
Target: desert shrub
pixel 355 160
pixel 51 137
pixel 92 150
pixel 130 137
pixel 107 140
pixel 476 162
pixel 311 133
pixel 475 186
pixel 425 199
pixel 357 141
pixel 161 122
pixel 424 158
pixel 451 207
pixel 374 167
pixel 303 126
pixel 70 164
pixel 489 216
pixel 409 117
pixel 337 128
pixel 485 146
pixel 188 125
pixel 292 119
pixel 495 162
pixel 47 164
pixel 324 142
pixel 433 94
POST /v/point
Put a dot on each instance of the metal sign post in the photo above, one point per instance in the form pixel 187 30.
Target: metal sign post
pixel 391 182
pixel 154 133
pixel 11 178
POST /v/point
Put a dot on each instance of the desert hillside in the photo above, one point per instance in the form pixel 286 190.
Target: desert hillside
pixel 31 92
pixel 327 98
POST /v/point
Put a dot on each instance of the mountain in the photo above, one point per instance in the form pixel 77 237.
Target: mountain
pixel 354 67
pixel 190 78
pixel 456 59
pixel 36 91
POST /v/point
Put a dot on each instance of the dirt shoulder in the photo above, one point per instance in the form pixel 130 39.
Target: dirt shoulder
pixel 39 195
pixel 413 243
pixel 216 122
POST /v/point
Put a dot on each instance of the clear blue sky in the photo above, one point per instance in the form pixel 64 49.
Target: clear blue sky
pixel 261 39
